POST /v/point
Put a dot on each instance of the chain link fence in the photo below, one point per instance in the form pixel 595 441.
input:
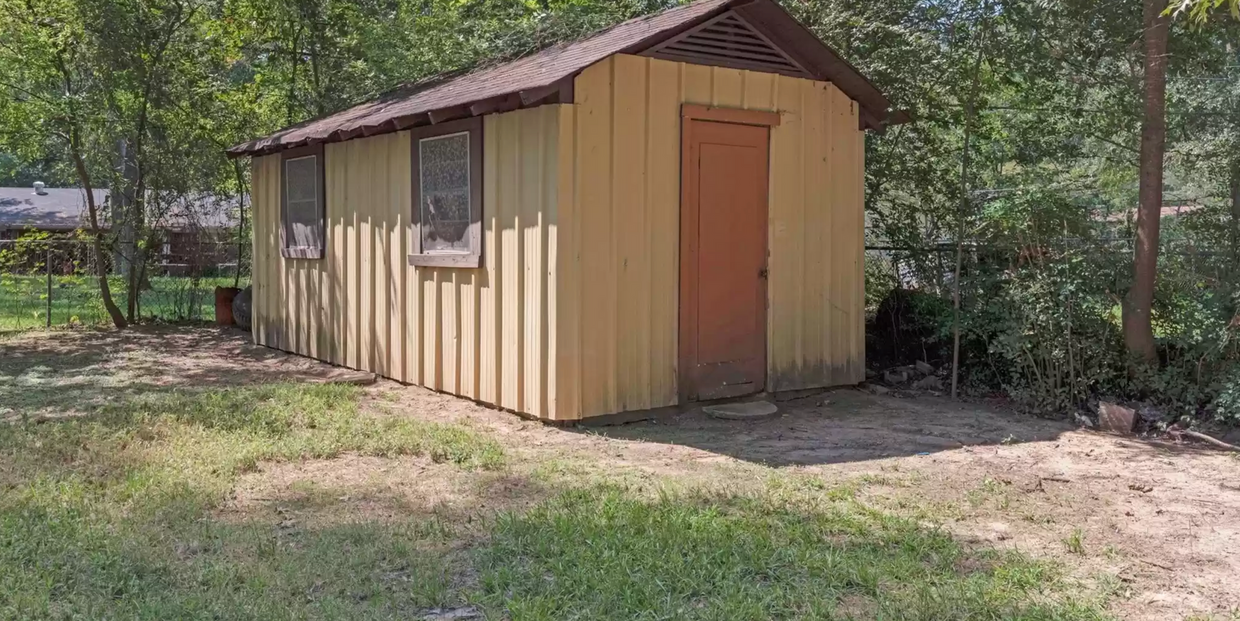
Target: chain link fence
pixel 53 282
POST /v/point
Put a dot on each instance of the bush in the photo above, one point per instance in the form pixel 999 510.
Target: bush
pixel 1045 328
pixel 1049 336
pixel 908 326
pixel 1226 405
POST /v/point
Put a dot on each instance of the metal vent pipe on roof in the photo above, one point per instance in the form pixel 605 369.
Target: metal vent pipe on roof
pixel 39 188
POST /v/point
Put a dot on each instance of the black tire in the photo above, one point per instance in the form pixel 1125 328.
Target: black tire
pixel 243 308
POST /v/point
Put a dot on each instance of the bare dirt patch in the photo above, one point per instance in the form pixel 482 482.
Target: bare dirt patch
pixel 363 489
pixel 1162 521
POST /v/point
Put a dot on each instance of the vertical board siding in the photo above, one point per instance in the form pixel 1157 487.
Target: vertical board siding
pixel 484 334
pixel 575 311
pixel 618 242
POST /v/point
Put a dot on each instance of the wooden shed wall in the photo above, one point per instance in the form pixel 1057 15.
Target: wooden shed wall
pixel 483 334
pixel 619 243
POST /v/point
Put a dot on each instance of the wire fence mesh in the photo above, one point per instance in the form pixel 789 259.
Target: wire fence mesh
pixel 50 282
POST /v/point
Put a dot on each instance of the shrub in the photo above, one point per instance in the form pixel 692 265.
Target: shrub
pixel 1044 326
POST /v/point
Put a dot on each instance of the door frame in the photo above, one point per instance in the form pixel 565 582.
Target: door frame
pixel 689 243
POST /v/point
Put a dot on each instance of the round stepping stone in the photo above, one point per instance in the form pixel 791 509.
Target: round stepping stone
pixel 750 410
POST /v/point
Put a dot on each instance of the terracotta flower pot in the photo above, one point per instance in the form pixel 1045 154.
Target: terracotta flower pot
pixel 223 305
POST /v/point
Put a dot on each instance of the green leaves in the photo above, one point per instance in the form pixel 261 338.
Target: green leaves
pixel 1201 10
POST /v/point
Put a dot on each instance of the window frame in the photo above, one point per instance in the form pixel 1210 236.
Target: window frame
pixel 303 252
pixel 472 259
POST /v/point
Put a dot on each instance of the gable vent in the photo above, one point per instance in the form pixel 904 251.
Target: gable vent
pixel 728 41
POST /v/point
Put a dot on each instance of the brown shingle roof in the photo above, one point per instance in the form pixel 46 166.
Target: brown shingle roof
pixel 535 79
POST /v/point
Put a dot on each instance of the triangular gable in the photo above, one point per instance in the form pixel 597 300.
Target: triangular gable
pixel 729 41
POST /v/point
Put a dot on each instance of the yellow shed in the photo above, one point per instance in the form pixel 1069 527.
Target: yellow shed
pixel 668 212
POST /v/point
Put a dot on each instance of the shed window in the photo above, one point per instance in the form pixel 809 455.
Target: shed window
pixel 303 210
pixel 447 191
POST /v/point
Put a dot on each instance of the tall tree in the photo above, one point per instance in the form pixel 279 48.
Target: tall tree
pixel 47 68
pixel 138 45
pixel 1138 308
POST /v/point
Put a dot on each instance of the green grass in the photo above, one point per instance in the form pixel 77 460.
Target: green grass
pixel 603 554
pixel 75 299
pixel 117 515
pixel 111 516
pixel 1075 543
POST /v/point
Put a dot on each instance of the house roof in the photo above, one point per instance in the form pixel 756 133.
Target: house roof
pixel 64 209
pixel 57 209
pixel 546 77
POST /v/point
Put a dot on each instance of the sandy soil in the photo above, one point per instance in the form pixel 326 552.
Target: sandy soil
pixel 1160 521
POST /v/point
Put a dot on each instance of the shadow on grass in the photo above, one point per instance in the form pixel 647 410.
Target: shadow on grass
pixel 72 566
pixel 74 372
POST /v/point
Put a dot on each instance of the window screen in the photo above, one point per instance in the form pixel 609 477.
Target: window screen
pixel 303 214
pixel 445 193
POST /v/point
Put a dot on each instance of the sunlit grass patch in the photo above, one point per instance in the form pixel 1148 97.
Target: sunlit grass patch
pixel 109 516
pixel 223 432
pixel 604 554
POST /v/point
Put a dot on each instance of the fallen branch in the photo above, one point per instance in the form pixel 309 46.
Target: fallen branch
pixel 1038 486
pixel 1210 440
pixel 1158 565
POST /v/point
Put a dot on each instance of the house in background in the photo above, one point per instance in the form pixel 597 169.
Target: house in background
pixel 668 212
pixel 197 233
pixel 38 208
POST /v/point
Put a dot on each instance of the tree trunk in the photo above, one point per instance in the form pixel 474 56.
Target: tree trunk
pixel 970 112
pixel 1235 217
pixel 101 266
pixel 125 221
pixel 1138 329
pixel 241 237
pixel 138 276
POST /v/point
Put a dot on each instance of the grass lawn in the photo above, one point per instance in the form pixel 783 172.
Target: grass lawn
pixel 117 515
pixel 75 299
pixel 111 516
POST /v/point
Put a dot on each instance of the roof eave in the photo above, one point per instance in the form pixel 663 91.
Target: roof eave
pixel 559 90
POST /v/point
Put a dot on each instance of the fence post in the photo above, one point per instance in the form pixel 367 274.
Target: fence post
pixel 48 260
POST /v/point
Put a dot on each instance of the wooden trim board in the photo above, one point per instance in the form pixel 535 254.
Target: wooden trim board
pixel 699 112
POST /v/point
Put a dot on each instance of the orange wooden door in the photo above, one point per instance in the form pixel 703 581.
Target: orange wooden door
pixel 723 241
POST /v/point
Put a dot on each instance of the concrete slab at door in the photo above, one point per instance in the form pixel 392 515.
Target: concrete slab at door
pixel 723 259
